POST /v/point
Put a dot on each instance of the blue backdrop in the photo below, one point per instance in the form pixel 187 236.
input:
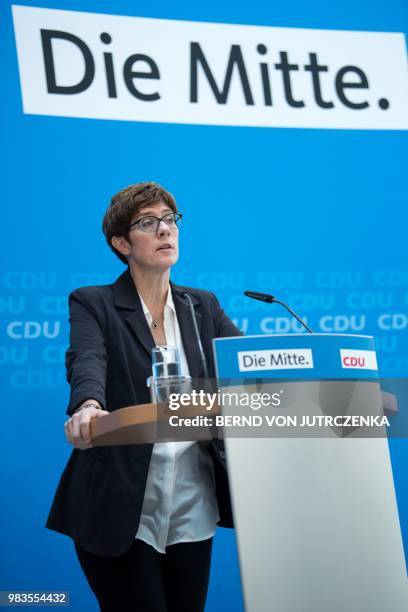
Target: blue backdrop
pixel 317 217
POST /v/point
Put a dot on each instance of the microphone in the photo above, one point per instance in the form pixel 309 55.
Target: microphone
pixel 270 299
pixel 197 333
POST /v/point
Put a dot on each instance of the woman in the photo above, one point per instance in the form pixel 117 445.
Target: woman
pixel 142 517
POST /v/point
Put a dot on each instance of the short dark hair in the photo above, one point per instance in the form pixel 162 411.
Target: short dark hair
pixel 126 203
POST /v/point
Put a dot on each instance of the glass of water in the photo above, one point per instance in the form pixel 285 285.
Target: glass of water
pixel 166 376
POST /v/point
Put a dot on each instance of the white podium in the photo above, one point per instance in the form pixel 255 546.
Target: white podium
pixel 316 517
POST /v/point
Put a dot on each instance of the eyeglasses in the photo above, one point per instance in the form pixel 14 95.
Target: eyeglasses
pixel 151 225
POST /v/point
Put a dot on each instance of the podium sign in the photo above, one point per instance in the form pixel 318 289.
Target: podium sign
pixel 300 356
pixel 316 519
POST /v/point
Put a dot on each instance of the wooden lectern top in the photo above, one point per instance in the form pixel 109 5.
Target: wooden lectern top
pixel 139 424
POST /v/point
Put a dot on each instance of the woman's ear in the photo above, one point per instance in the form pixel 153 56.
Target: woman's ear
pixel 121 244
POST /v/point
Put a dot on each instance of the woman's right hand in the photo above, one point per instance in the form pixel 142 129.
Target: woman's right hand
pixel 77 428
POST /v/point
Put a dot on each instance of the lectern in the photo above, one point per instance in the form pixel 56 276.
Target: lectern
pixel 315 509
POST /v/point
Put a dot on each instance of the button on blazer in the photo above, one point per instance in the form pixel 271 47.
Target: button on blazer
pixel 99 498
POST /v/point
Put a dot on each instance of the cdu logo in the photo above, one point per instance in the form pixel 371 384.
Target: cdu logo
pixel 358 359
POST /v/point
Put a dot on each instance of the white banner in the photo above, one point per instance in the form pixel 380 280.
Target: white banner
pixel 76 64
pixel 275 359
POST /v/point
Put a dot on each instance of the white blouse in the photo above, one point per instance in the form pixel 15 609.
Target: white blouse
pixel 179 504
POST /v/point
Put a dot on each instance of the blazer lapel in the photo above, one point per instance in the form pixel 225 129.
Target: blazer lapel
pixel 188 335
pixel 126 297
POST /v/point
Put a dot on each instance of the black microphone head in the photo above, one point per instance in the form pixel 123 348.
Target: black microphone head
pixel 262 297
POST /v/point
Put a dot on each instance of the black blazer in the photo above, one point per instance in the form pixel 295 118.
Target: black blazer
pixel 99 498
